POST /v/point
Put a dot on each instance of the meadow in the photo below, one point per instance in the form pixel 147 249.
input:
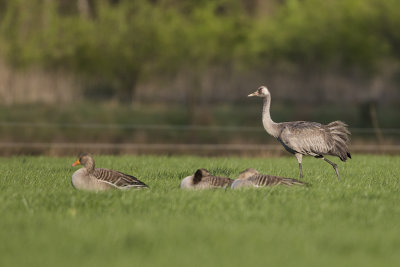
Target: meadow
pixel 44 221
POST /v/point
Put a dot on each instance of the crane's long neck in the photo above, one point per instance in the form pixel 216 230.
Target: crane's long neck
pixel 270 126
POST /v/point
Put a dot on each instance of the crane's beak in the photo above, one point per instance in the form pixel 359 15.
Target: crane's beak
pixel 77 162
pixel 253 94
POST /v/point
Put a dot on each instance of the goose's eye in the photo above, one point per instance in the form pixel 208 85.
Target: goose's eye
pixel 260 91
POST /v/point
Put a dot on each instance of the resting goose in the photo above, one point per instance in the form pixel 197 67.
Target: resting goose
pixel 90 178
pixel 251 178
pixel 202 179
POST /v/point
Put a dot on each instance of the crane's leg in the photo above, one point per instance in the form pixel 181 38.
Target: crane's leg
pixel 299 158
pixel 334 166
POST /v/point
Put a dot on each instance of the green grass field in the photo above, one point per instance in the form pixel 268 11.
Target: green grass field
pixel 355 222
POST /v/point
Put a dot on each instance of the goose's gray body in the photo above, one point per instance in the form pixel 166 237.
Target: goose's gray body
pixel 202 179
pixel 307 138
pixel 99 179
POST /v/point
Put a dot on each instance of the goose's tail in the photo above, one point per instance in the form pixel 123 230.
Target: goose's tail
pixel 341 139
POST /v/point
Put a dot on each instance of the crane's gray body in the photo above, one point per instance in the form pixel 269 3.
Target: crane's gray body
pixel 315 139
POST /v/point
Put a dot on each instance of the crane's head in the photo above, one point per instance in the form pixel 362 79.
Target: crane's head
pixel 262 91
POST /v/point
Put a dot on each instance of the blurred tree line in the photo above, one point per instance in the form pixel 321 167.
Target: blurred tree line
pixel 120 42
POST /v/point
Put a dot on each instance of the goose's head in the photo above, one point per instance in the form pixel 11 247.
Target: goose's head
pixel 247 173
pixel 84 159
pixel 262 91
pixel 199 174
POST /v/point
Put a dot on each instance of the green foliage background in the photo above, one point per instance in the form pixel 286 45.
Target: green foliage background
pixel 122 41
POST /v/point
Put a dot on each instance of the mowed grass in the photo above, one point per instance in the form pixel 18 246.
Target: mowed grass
pixel 355 222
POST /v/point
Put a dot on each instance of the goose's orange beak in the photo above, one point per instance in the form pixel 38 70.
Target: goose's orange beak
pixel 77 162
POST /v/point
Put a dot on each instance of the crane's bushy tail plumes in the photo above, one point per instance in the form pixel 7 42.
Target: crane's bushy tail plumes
pixel 341 138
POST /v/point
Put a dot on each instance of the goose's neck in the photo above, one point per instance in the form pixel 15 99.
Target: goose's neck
pixel 89 165
pixel 270 126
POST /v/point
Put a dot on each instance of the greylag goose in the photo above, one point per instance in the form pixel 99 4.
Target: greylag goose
pixel 251 178
pixel 98 179
pixel 307 138
pixel 202 179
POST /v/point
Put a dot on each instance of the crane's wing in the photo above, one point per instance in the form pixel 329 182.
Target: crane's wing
pixel 307 138
pixel 118 179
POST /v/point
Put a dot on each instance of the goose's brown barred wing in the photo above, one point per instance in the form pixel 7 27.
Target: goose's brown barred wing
pixel 218 181
pixel 118 179
pixel 269 180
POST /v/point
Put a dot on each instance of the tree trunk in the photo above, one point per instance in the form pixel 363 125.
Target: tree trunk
pixel 84 8
pixel 375 122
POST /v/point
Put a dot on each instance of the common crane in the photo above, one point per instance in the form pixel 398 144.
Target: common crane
pixel 307 138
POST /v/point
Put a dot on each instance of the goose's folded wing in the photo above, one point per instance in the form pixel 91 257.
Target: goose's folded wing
pixel 217 181
pixel 118 179
pixel 264 180
pixel 270 180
